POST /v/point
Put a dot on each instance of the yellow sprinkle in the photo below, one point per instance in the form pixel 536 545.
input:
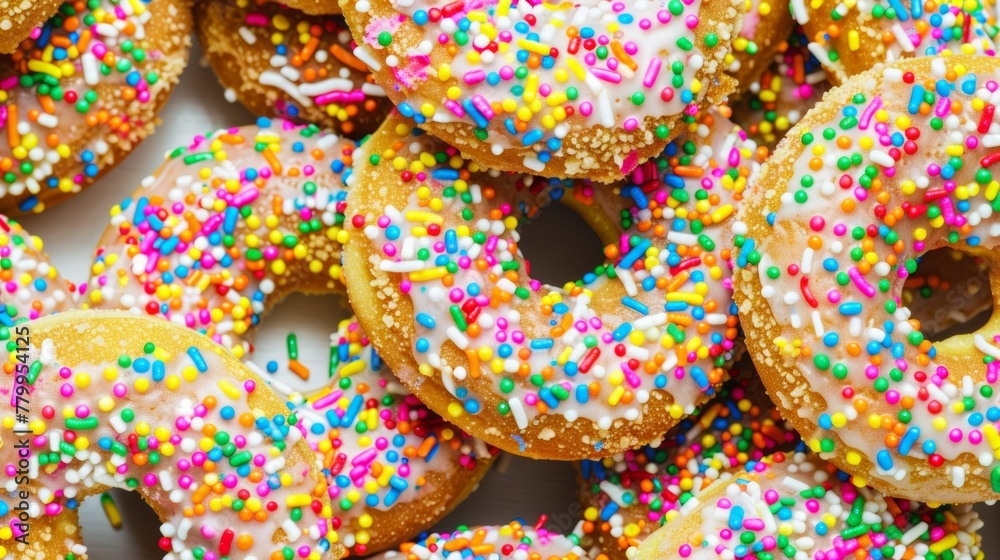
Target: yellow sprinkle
pixel 298 500
pixel 687 297
pixel 423 217
pixel 352 368
pixel 230 391
pixel 429 274
pixel 853 40
pixel 45 67
pixel 722 212
pixel 534 46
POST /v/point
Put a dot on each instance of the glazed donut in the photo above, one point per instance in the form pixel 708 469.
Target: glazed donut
pixel 578 89
pixel 780 96
pixel 280 62
pixel 18 18
pixel 76 99
pixel 227 227
pixel 599 366
pixel 139 404
pixel 512 540
pixel 394 468
pixel 758 40
pixel 240 197
pixel 632 494
pixel 848 38
pixel 802 508
pixel 895 163
pixel 30 285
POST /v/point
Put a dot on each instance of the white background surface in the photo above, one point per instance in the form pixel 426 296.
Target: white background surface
pixel 516 487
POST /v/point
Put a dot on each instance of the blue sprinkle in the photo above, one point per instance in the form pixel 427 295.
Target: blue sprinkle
pixel 542 343
pixel 908 440
pixel 736 518
pixel 426 320
pixel 635 253
pixel 916 97
pixel 621 332
pixel 198 359
pixel 884 459
pixel 636 305
pixel 850 308
pixel 902 14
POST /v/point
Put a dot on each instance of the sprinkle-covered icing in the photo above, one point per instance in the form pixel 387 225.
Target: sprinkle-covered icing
pixel 525 73
pixel 169 416
pixel 228 226
pixel 794 82
pixel 378 445
pixel 513 540
pixel 311 72
pixel 632 494
pixel 887 30
pixel 657 317
pixel 799 507
pixel 899 165
pixel 63 94
pixel 30 287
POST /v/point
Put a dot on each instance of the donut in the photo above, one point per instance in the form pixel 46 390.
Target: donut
pixel 584 90
pixel 780 96
pixel 868 182
pixel 115 400
pixel 246 216
pixel 394 468
pixel 601 365
pixel 801 507
pixel 280 62
pixel 849 38
pixel 18 18
pixel 82 94
pixel 632 494
pixel 30 285
pixel 265 204
pixel 514 540
pixel 759 39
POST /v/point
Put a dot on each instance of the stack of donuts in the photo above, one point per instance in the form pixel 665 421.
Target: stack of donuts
pixel 788 346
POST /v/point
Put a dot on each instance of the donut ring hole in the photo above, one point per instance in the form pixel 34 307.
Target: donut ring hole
pixel 138 533
pixel 950 293
pixel 570 258
pixel 310 318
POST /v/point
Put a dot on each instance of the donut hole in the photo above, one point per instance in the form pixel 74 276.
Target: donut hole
pixel 950 293
pixel 138 536
pixel 311 318
pixel 555 257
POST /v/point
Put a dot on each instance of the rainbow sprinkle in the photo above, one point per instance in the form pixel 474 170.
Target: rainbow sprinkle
pixel 630 495
pixel 379 446
pixel 309 65
pixel 80 93
pixel 524 74
pixel 888 30
pixel 513 540
pixel 905 166
pixel 226 228
pixel 797 506
pixel 229 480
pixel 455 247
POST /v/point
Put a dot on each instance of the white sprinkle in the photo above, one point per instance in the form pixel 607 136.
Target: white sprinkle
pixel 986 347
pixel 517 409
